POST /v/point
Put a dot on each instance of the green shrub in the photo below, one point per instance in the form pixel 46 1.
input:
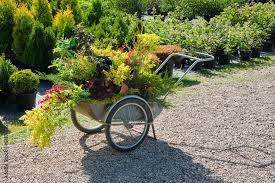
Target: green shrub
pixel 64 24
pixel 168 5
pixel 205 8
pixel 49 40
pixel 30 35
pixel 261 14
pixel 74 6
pixel 222 32
pixel 119 31
pixel 199 37
pixel 7 9
pixel 42 41
pixel 172 31
pixel 248 36
pixel 28 3
pixel 24 81
pixel 101 29
pixel 6 70
pixel 152 86
pixel 95 12
pixel 63 48
pixel 74 69
pixel 35 42
pixel 42 12
pixel 147 42
pixel 132 6
pixel 23 24
pixel 243 27
pixel 136 27
pixel 54 6
pixel 111 30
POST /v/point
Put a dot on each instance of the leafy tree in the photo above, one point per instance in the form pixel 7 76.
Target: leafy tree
pixel 132 6
pixel 6 70
pixel 64 24
pixel 7 10
pixel 111 30
pixel 119 31
pixel 168 5
pixel 23 24
pixel 136 27
pixel 74 6
pixel 42 41
pixel 42 12
pixel 205 8
pixel 28 3
pixel 95 12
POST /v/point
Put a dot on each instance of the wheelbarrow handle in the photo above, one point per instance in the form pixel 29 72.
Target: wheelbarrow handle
pixel 206 58
pixel 185 55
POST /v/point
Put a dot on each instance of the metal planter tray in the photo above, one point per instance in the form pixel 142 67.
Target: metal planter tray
pixel 99 112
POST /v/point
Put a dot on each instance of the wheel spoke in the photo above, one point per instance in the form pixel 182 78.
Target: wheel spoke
pixel 130 134
pixel 130 131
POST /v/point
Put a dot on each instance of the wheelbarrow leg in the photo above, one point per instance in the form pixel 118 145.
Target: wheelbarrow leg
pixel 154 132
pixel 153 129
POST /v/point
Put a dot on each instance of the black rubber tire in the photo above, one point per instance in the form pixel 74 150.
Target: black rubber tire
pixel 112 113
pixel 83 129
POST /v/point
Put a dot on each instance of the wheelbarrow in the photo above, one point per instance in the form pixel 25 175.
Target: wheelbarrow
pixel 127 121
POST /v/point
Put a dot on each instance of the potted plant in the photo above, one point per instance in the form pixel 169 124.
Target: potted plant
pixel 256 52
pixel 6 69
pixel 259 37
pixel 244 38
pixel 268 46
pixel 163 51
pixel 199 38
pixel 24 85
pixel 251 38
pixel 262 15
pixel 225 39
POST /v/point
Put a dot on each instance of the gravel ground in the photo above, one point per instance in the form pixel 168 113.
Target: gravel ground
pixel 221 130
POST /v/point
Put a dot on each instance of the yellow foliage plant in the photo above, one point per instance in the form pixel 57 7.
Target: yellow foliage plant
pixel 143 52
pixel 64 23
pixel 119 71
pixel 43 120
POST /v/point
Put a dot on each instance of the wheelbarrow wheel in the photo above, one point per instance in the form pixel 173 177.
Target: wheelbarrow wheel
pixel 85 124
pixel 128 124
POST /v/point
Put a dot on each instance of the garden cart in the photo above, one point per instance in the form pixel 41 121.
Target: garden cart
pixel 127 121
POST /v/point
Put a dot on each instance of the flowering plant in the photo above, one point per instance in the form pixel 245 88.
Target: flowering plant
pixel 43 120
pixel 102 75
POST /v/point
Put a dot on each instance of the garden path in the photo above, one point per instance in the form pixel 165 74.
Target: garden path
pixel 221 130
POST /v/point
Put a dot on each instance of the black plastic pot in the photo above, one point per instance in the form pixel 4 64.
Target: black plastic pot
pixel 197 67
pixel 256 53
pixel 268 46
pixel 2 99
pixel 8 102
pixel 272 37
pixel 180 63
pixel 26 101
pixel 210 64
pixel 6 99
pixel 222 58
pixel 245 56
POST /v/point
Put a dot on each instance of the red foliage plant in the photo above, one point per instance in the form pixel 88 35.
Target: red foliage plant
pixel 55 89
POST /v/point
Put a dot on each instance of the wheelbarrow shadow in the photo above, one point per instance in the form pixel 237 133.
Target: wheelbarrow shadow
pixel 154 161
pixel 244 155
